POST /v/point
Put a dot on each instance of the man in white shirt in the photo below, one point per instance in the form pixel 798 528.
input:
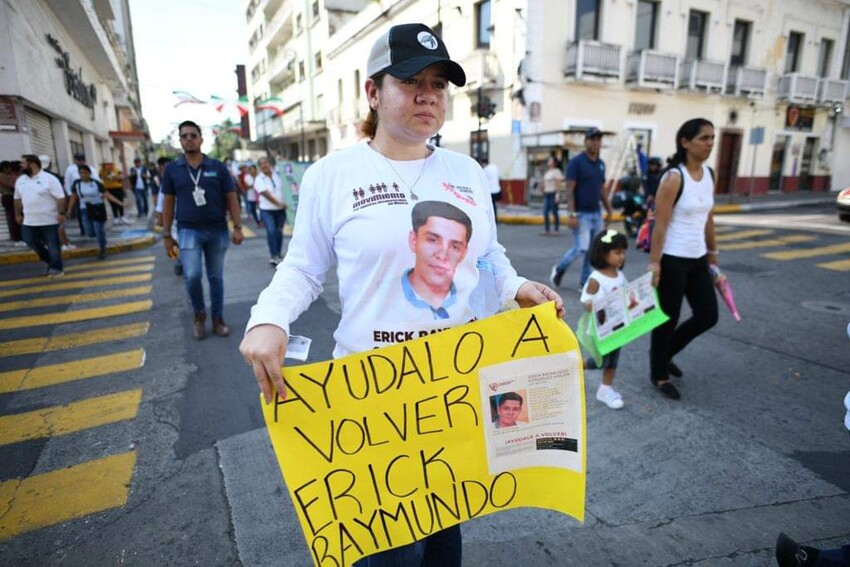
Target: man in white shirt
pixel 272 208
pixel 492 173
pixel 40 208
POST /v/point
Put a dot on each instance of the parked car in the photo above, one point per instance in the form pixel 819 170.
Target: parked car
pixel 843 204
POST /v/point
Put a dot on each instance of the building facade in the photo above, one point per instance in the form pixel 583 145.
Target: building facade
pixel 540 72
pixel 68 82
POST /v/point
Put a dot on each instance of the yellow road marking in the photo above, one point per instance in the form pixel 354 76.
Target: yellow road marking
pixel 110 263
pixel 82 275
pixel 809 252
pixel 73 340
pixel 60 285
pixel 742 234
pixel 69 418
pixel 58 496
pixel 80 298
pixel 76 315
pixel 39 377
pixel 781 241
pixel 838 265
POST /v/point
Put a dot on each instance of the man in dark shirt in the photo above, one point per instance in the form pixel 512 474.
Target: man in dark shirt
pixel 204 193
pixel 586 188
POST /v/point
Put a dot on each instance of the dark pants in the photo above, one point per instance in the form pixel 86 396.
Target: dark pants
pixel 251 206
pixel 440 549
pixel 274 221
pixel 550 204
pixel 94 228
pixel 495 198
pixel 687 278
pixel 117 210
pixel 44 241
pixel 14 228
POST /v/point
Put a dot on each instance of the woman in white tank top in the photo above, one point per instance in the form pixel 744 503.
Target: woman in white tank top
pixel 683 246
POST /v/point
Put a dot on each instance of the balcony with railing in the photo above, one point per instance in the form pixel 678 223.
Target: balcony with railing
pixel 702 74
pixel 797 88
pixel 282 67
pixel 652 69
pixel 589 60
pixel 832 91
pixel 280 29
pixel 746 81
pixel 483 69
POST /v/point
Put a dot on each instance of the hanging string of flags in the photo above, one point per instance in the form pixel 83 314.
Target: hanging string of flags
pixel 241 104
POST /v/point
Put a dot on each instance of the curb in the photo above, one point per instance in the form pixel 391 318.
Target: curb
pixel 537 219
pixel 89 252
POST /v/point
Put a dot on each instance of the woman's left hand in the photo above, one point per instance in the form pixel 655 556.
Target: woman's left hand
pixel 531 293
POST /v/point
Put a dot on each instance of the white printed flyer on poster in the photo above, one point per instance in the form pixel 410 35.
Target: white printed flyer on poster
pixel 532 410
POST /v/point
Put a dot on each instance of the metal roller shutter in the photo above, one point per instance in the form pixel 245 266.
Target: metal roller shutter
pixel 40 133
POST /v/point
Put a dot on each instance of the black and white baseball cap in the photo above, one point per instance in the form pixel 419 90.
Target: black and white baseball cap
pixel 406 49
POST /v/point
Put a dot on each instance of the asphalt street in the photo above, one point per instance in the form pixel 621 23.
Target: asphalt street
pixel 756 445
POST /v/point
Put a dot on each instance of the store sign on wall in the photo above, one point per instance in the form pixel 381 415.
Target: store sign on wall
pixel 9 115
pixel 74 85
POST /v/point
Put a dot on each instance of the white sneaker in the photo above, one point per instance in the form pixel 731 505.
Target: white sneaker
pixel 20 244
pixel 66 247
pixel 609 396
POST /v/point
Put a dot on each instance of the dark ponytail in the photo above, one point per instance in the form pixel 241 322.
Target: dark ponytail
pixel 368 127
pixel 689 130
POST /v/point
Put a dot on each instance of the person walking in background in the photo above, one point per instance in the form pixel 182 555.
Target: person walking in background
pixel 40 208
pixel 63 234
pixel 92 193
pixel 139 180
pixel 682 248
pixel 586 188
pixel 9 173
pixel 492 173
pixel 607 256
pixel 72 173
pixel 651 180
pixel 251 198
pixel 113 182
pixel 553 183
pixel 199 192
pixel 178 261
pixel 272 208
pixel 408 71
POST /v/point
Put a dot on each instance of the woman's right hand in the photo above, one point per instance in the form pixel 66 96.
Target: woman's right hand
pixel 655 268
pixel 263 348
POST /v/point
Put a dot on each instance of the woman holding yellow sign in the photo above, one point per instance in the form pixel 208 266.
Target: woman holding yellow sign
pixel 407 225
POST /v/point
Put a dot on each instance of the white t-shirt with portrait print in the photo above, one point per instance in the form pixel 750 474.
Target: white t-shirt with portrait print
pixel 355 211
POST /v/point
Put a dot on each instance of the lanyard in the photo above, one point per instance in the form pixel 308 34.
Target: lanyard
pixel 195 180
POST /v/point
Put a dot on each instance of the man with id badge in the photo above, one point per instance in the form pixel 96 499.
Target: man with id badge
pixel 203 191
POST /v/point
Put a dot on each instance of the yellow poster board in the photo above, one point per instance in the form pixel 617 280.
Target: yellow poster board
pixel 382 448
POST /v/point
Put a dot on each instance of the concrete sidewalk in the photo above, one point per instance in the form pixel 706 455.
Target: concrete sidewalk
pixel 140 234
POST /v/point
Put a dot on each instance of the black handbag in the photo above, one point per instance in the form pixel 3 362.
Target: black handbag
pixel 96 213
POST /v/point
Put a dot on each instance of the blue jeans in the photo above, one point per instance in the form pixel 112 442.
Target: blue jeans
pixel 251 206
pixel 550 204
pixel 141 202
pixel 44 241
pixel 211 244
pixel 274 221
pixel 589 225
pixel 94 228
pixel 440 549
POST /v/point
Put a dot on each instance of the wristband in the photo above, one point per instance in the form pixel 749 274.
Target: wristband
pixel 713 252
pixel 237 227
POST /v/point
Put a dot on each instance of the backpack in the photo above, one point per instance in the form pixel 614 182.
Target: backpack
pixel 644 235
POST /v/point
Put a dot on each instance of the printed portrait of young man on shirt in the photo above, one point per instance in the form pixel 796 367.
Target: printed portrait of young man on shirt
pixel 439 240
